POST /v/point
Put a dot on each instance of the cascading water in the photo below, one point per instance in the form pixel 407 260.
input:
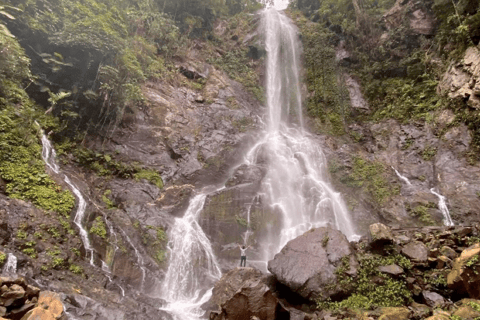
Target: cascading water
pixel 296 183
pixel 405 179
pixel 442 205
pixel 11 264
pixel 192 267
pixel 49 156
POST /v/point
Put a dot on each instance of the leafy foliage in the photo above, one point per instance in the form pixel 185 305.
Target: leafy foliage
pixel 388 292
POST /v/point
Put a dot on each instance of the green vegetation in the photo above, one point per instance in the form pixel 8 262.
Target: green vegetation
pixel 106 199
pixel 325 240
pixel 98 228
pixel 234 59
pixel 421 212
pixel 150 175
pixel 371 176
pixel 3 258
pixel 429 153
pixel 75 269
pixel 241 221
pixel 368 294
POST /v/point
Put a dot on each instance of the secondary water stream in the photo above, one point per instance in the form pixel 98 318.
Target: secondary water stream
pixel 192 267
pixel 442 201
pixel 49 156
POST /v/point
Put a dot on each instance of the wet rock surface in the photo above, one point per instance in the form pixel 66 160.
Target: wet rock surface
pixel 244 293
pixel 317 253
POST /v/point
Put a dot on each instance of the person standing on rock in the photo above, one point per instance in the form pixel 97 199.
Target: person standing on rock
pixel 243 255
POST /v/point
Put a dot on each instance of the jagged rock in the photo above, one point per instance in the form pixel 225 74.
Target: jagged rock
pixel 14 296
pixel 317 253
pixel 420 311
pixel 457 81
pixel 244 293
pixel 439 315
pixel 443 261
pixel 392 269
pixel 51 301
pixel 465 311
pixel 400 313
pixel 402 239
pixel 380 235
pixel 199 98
pixel 433 299
pixel 448 252
pixel 465 278
pixel 18 313
pixel 380 232
pixel 416 251
pixel 420 20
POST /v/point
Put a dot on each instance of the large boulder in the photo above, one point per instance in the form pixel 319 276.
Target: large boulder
pixel 244 293
pixel 308 263
pixel 416 251
pixel 465 275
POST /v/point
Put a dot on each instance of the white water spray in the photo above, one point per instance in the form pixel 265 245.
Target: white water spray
pixel 192 265
pixel 442 205
pixel 49 156
pixel 296 184
pixel 405 179
pixel 11 264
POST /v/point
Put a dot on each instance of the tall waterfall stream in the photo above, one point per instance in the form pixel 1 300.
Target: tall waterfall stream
pixel 296 183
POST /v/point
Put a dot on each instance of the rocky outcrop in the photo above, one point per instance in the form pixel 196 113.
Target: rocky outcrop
pixel 462 80
pixel 307 264
pixel 420 19
pixel 19 300
pixel 465 277
pixel 244 293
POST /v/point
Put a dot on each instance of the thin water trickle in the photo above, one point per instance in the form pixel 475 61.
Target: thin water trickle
pixel 140 260
pixel 49 156
pixel 442 205
pixel 405 179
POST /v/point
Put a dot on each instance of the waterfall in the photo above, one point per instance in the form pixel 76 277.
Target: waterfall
pixel 192 265
pixel 442 205
pixel 49 156
pixel 296 183
pixel 11 264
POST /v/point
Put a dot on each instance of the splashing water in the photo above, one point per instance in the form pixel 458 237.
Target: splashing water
pixel 49 156
pixel 296 184
pixel 192 266
pixel 442 205
pixel 11 264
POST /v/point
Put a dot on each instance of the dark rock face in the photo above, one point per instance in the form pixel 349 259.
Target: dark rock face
pixel 244 293
pixel 307 264
pixel 433 299
pixel 416 251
